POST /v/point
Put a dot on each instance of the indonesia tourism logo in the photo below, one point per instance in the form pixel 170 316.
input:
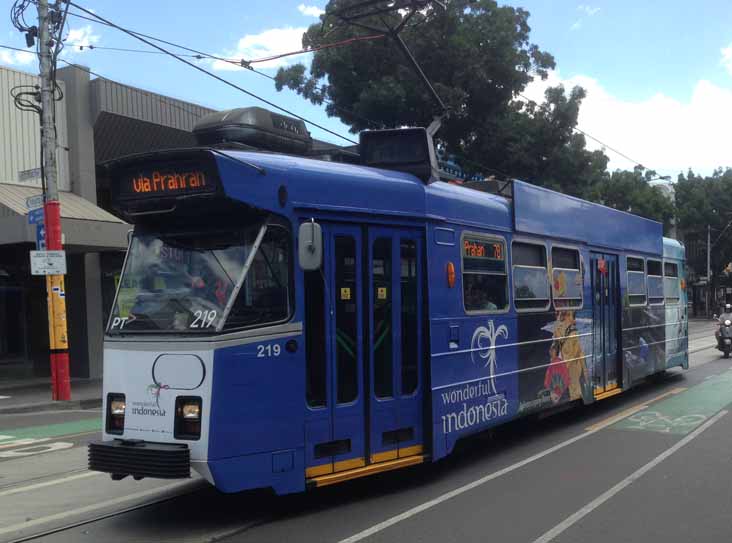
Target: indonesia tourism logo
pixel 483 349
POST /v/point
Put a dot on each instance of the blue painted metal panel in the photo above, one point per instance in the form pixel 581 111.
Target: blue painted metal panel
pixel 673 249
pixel 544 212
pixel 467 206
pixel 262 470
pixel 253 408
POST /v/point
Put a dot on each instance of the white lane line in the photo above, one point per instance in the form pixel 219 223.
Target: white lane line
pixel 5 397
pixel 89 508
pixel 602 498
pixel 45 484
pixel 470 486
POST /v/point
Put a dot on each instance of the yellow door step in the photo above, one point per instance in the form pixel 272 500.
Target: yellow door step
pixel 371 469
pixel 608 394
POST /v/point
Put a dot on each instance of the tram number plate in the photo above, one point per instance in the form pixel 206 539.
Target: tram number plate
pixel 264 351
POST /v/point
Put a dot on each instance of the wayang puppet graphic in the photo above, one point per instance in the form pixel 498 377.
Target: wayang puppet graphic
pixel 566 377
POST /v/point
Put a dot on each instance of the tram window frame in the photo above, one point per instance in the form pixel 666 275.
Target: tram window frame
pixel 654 300
pixel 290 290
pixel 642 271
pixel 576 270
pixel 672 300
pixel 479 236
pixel 528 307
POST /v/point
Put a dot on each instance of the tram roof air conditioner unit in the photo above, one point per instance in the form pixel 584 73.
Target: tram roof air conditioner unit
pixel 256 127
pixel 409 150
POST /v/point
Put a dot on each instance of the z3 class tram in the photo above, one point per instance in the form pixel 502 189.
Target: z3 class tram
pixel 287 322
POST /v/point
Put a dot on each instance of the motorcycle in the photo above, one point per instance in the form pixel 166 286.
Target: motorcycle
pixel 724 341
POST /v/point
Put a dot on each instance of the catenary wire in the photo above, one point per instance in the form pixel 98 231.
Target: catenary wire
pixel 213 75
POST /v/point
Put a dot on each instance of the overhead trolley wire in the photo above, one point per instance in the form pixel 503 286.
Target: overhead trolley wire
pixel 213 75
pixel 200 55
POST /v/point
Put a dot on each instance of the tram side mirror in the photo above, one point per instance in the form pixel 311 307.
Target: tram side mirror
pixel 310 246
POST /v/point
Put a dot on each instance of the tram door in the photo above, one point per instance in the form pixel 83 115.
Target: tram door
pixel 364 359
pixel 606 319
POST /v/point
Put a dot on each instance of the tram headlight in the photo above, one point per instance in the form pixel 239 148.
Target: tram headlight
pixel 116 406
pixel 191 411
pixel 187 417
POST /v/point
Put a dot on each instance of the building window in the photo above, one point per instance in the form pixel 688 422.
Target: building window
pixel 654 282
pixel 485 283
pixel 566 278
pixel 530 277
pixel 636 281
pixel 671 283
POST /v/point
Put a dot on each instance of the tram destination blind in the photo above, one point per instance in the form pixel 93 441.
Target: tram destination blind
pixel 165 181
pixel 481 255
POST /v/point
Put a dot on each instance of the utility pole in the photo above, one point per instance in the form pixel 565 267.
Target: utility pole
pixel 709 266
pixel 58 335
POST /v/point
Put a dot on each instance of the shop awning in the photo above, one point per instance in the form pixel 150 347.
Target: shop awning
pixel 85 225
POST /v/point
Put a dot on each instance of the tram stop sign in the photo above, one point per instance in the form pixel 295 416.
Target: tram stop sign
pixel 48 262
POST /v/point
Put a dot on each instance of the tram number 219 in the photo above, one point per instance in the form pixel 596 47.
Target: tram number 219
pixel 265 351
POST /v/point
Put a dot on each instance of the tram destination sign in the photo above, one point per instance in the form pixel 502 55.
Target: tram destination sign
pixel 156 181
pixel 475 248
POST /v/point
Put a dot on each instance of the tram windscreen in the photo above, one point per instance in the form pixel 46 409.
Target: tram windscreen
pixel 186 283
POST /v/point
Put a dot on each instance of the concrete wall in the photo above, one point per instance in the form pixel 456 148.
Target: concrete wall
pixel 20 146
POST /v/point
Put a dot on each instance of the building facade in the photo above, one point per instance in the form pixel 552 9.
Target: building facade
pixel 97 120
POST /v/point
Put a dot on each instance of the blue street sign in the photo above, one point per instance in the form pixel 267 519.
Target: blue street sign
pixel 40 237
pixel 35 216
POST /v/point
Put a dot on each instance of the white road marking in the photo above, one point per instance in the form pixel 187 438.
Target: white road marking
pixel 36 449
pixel 89 508
pixel 470 486
pixel 49 483
pixel 5 397
pixel 602 498
pixel 24 441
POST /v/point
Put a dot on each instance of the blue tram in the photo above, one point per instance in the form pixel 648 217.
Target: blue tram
pixel 287 322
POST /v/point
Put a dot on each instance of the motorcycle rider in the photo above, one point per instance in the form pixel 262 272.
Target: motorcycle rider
pixel 726 315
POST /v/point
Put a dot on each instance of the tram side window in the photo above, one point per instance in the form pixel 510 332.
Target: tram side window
pixel 530 277
pixel 655 282
pixel 315 339
pixel 671 282
pixel 566 278
pixel 346 319
pixel 636 281
pixel 382 314
pixel 485 281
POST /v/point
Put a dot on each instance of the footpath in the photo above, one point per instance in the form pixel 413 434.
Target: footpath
pixel 35 396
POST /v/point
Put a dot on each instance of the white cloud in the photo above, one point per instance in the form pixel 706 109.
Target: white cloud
pixel 16 58
pixel 577 25
pixel 588 10
pixel 662 133
pixel 727 58
pixel 269 43
pixel 310 11
pixel 80 36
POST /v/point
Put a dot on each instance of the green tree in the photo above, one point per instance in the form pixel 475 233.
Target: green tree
pixel 702 201
pixel 479 58
pixel 631 192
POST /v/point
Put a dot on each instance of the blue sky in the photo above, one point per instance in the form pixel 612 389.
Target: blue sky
pixel 658 73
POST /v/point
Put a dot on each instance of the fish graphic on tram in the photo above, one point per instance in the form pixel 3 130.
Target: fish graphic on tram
pixel 289 321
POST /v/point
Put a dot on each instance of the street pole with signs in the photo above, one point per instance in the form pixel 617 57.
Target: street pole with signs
pixel 58 335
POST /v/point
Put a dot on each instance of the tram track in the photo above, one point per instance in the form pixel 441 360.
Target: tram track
pixel 100 517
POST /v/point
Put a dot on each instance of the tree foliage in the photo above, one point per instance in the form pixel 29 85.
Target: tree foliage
pixel 479 58
pixel 702 201
pixel 632 192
